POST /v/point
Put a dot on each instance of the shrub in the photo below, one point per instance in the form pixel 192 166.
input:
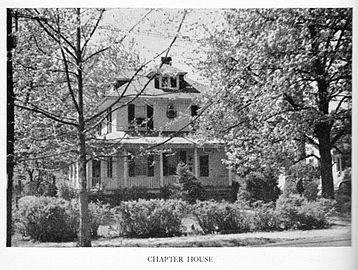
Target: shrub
pixel 188 187
pixel 222 217
pixel 168 191
pixel 296 212
pixel 48 219
pixel 153 218
pixel 264 217
pixel 67 192
pixel 302 179
pixel 44 219
pixel 120 195
pixel 310 190
pixel 259 186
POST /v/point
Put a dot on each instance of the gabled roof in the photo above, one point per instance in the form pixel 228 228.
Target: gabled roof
pixel 142 85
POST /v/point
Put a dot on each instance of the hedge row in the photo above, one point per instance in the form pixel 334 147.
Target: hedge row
pixel 158 218
pixel 51 219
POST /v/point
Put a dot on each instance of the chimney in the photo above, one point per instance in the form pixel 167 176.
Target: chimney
pixel 167 60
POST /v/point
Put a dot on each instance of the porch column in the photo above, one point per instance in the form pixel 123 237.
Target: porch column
pixel 196 163
pixel 77 175
pixel 125 168
pixel 230 177
pixel 88 173
pixel 161 170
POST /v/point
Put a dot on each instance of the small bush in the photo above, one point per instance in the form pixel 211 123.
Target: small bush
pixel 153 218
pixel 302 179
pixel 264 217
pixel 259 186
pixel 296 212
pixel 48 219
pixel 66 192
pixel 44 219
pixel 221 217
pixel 120 195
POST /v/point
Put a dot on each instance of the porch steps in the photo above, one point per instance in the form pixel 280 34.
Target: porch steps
pixel 219 193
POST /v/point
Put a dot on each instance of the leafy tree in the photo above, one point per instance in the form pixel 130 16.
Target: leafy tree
pixel 62 70
pixel 281 82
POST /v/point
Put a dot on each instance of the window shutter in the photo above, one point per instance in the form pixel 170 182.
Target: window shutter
pixel 165 165
pixel 109 120
pixel 131 115
pixel 156 82
pixel 150 125
pixel 150 164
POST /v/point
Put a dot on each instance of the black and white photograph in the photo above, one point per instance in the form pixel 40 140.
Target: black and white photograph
pixel 180 137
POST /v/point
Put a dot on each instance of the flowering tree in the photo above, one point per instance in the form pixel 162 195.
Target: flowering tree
pixel 281 80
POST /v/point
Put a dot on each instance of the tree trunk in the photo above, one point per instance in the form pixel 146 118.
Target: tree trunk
pixel 85 227
pixel 10 129
pixel 323 135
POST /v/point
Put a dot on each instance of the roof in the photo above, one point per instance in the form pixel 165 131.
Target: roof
pixel 190 90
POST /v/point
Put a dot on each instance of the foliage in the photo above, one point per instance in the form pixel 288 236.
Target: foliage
pixel 45 219
pixel 296 212
pixel 153 218
pixel 302 179
pixel 168 191
pixel 259 186
pixel 133 193
pixel 49 219
pixel 280 79
pixel 265 217
pixel 221 217
pixel 67 192
pixel 188 187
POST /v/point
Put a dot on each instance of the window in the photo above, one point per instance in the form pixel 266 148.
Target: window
pixel 109 120
pixel 194 110
pixel 170 162
pixel 141 165
pixel 96 173
pixel 140 116
pixel 99 129
pixel 109 167
pixel 167 82
pixel 204 165
pixel 173 82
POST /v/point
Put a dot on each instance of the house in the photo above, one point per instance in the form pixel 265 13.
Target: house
pixel 154 113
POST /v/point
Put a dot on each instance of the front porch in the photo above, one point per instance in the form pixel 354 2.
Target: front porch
pixel 130 168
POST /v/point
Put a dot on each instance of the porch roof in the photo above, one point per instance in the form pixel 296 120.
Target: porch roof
pixel 126 139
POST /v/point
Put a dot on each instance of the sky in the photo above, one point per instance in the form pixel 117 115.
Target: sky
pixel 154 33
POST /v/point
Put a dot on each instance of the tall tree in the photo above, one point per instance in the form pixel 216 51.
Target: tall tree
pixel 62 72
pixel 10 126
pixel 281 79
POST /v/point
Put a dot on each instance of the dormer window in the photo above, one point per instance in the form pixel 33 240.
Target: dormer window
pixel 168 82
